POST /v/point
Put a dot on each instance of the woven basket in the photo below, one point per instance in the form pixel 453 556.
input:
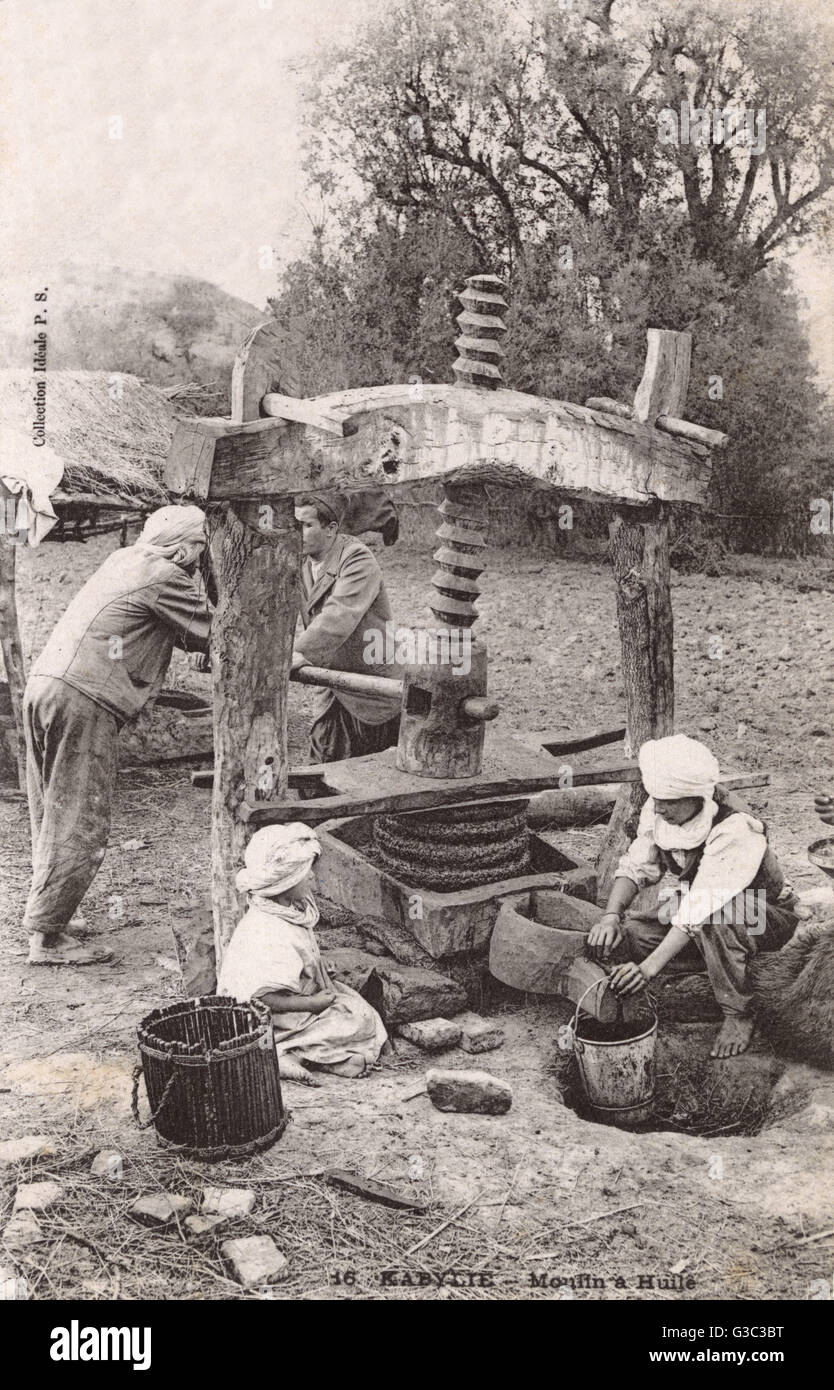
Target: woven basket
pixel 211 1076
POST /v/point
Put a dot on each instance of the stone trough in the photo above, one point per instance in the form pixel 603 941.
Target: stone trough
pixel 444 923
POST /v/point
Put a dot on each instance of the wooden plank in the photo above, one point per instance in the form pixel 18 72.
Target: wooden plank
pixel 449 432
pixel 300 777
pixel 374 1191
pixel 684 429
pixel 381 687
pixel 307 412
pixel 626 412
pixel 665 382
pixel 260 366
pixel 556 744
pixel 446 792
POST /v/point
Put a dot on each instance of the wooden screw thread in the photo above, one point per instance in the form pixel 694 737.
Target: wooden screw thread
pixel 455 582
pixel 482 328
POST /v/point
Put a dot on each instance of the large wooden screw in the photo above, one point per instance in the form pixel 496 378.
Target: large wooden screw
pixel 482 328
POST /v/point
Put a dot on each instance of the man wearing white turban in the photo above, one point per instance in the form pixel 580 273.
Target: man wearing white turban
pixel 274 955
pixel 106 659
pixel 727 900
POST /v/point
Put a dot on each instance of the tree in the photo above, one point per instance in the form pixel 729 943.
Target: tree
pixel 504 120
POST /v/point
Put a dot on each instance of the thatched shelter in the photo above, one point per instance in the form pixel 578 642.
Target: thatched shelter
pixel 111 430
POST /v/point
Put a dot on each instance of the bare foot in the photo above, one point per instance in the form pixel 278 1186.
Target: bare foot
pixel 291 1070
pixel 733 1036
pixel 62 949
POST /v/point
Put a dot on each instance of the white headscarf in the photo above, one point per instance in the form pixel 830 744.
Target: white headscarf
pixel 677 766
pixel 168 528
pixel 277 858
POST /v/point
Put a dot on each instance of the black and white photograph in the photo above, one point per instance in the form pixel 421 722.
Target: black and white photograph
pixel 417 679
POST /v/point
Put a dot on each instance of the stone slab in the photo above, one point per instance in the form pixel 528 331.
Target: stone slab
pixel 479 1034
pixel 255 1260
pixel 468 1092
pixel 431 1034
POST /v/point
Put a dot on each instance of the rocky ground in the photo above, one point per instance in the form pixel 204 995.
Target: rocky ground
pixel 546 1203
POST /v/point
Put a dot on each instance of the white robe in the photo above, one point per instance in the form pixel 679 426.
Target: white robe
pixel 274 949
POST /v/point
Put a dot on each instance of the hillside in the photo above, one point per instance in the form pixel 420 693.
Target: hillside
pixel 163 328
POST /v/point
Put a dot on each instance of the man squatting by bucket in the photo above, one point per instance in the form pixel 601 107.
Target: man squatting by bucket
pixel 729 899
pixel 106 659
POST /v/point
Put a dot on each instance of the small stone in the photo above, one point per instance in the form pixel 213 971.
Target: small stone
pixel 706 724
pixel 786 654
pixel 478 1035
pixel 469 1092
pixel 110 1164
pixel 30 1146
pixel 431 1034
pixel 160 1208
pixel 227 1201
pixel 201 1225
pixel 255 1260
pixel 21 1230
pixel 36 1196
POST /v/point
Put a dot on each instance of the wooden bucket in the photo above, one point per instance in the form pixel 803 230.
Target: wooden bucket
pixel 211 1077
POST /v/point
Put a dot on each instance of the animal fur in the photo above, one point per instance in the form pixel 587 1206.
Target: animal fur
pixel 793 993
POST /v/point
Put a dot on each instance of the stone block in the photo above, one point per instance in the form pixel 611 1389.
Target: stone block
pixel 202 1225
pixel 255 1260
pixel 110 1164
pixel 478 1034
pixel 37 1196
pixel 192 927
pixel 469 1092
pixel 537 936
pixel 231 1202
pixel 29 1146
pixel 431 1034
pixel 22 1230
pixel 160 1208
pixel 408 992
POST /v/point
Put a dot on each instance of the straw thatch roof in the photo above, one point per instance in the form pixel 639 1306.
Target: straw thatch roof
pixel 111 430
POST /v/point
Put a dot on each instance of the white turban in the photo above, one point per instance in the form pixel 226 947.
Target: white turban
pixel 277 858
pixel 677 766
pixel 168 528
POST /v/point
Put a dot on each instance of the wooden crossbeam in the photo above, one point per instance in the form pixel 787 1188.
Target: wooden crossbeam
pixel 399 434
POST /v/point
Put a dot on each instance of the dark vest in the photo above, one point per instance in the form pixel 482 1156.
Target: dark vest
pixel 768 875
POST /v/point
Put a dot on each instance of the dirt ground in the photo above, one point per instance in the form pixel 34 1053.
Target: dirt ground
pixel 548 1205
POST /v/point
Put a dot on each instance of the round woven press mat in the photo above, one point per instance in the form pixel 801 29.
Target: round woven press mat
pixel 447 851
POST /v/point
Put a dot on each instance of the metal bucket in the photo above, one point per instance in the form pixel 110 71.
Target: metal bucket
pixel 618 1075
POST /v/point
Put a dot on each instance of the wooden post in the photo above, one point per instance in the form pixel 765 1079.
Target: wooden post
pixel 255 551
pixel 12 648
pixel 640 558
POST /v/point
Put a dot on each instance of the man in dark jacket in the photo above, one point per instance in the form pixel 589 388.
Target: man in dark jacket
pixel 346 615
pixel 105 660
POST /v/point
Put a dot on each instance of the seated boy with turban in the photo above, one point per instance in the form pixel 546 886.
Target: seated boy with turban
pixel 274 955
pixel 727 900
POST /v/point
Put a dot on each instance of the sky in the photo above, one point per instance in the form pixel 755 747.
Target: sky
pixel 205 168
pixel 164 135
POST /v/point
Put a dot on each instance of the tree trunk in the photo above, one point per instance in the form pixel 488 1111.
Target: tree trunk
pixel 12 648
pixel 640 557
pixel 256 558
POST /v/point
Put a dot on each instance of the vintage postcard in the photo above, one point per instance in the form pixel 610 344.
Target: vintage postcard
pixel 417 625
